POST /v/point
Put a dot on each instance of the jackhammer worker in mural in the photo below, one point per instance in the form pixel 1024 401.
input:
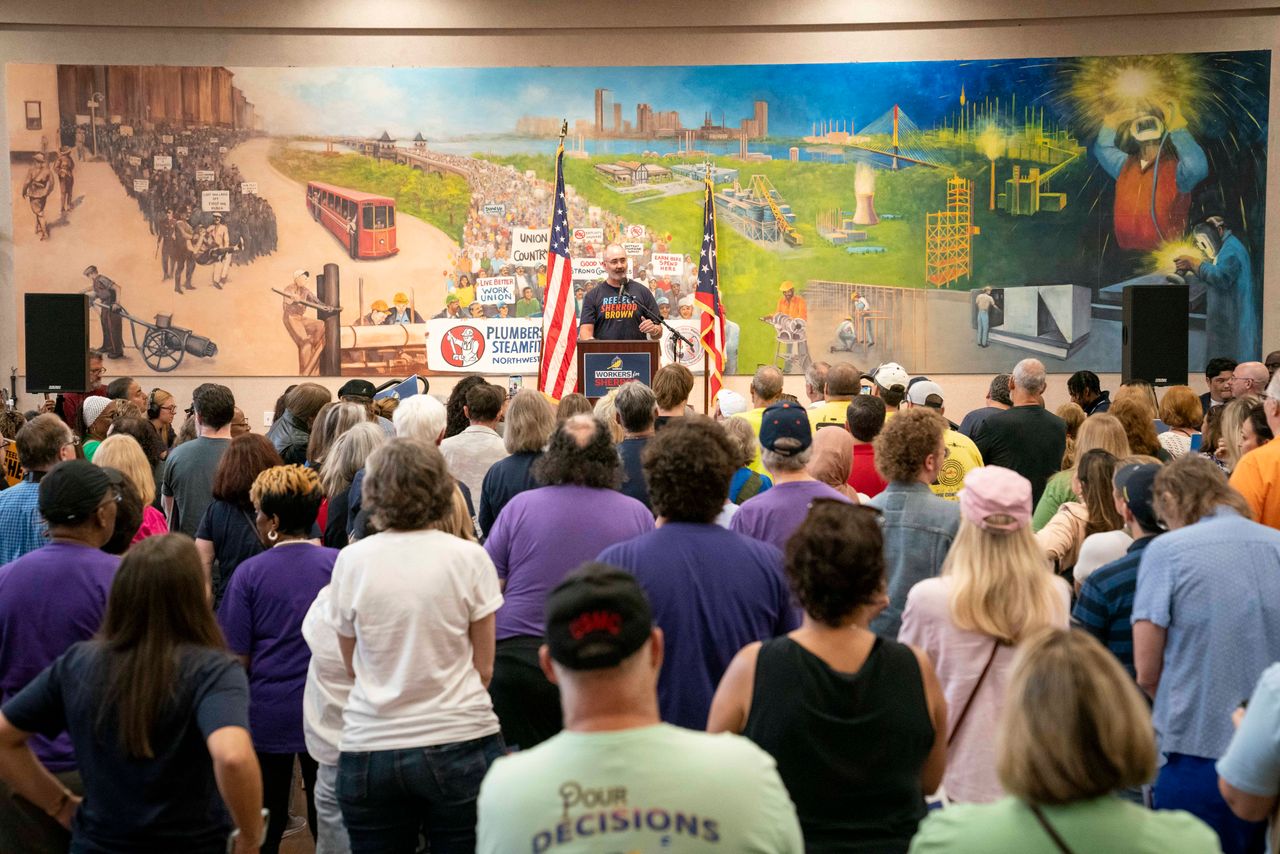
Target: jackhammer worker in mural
pixel 1232 325
pixel 36 189
pixel 306 332
pixel 1156 163
pixel 106 295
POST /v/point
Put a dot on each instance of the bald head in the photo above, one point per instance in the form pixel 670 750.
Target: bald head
pixel 582 429
pixel 842 381
pixel 766 385
pixel 1029 377
pixel 1249 378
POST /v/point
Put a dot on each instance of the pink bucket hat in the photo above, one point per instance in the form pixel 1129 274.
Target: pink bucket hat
pixel 996 499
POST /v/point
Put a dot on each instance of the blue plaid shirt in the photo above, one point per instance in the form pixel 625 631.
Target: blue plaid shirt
pixel 1106 601
pixel 22 528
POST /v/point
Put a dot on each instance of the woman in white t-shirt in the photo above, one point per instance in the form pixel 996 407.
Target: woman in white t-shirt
pixel 413 608
pixel 996 588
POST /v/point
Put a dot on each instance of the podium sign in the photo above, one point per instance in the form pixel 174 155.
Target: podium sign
pixel 605 365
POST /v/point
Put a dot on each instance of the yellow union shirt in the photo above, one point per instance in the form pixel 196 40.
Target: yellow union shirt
pixel 962 457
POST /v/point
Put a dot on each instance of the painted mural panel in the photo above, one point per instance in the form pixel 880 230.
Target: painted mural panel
pixel 951 216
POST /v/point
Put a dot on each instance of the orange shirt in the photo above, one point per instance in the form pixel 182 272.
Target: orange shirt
pixel 794 307
pixel 1257 478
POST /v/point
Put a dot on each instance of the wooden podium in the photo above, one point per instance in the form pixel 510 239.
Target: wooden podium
pixel 605 365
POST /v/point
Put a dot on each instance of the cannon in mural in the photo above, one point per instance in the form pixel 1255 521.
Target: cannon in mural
pixel 163 345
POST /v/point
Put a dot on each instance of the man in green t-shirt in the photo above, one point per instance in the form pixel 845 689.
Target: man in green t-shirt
pixel 528 305
pixel 617 778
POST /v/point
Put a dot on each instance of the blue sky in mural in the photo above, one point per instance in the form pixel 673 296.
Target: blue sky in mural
pixel 478 100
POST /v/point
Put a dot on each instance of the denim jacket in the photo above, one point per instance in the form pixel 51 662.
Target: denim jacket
pixel 919 528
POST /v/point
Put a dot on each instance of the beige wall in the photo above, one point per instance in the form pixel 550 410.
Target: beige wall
pixel 32 84
pixel 513 32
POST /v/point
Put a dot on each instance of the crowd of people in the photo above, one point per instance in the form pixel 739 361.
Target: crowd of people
pixel 498 623
pixel 185 232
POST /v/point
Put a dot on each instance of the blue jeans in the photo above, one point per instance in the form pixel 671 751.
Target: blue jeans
pixel 984 328
pixel 388 797
pixel 1191 783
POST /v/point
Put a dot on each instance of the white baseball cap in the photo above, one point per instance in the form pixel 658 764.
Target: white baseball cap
pixel 919 393
pixel 891 374
pixel 731 403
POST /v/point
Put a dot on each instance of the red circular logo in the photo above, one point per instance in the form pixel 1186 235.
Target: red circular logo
pixel 462 346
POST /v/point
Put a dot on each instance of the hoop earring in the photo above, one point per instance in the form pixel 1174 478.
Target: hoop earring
pixel 272 536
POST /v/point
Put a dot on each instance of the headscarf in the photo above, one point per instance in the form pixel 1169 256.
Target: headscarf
pixel 833 459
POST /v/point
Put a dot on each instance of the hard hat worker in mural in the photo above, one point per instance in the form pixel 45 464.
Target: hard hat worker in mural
pixel 306 332
pixel 36 188
pixel 1156 163
pixel 1232 315
pixel 790 303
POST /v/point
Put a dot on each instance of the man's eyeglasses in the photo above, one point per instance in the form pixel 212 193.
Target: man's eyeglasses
pixel 74 440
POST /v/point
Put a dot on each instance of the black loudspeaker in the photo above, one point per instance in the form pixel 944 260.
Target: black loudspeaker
pixel 57 333
pixel 1154 334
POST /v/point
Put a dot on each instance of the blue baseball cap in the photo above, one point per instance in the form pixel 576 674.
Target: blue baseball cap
pixel 785 430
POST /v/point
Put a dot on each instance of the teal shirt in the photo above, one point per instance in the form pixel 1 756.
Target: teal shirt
pixel 1100 826
pixel 646 789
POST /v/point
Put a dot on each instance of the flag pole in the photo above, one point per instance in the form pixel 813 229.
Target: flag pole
pixel 706 357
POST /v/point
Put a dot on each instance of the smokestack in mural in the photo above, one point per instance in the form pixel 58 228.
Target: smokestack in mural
pixel 864 184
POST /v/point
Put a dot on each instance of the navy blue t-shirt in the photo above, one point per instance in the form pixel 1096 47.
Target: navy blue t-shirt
pixel 235 539
pixel 617 317
pixel 633 482
pixel 167 803
pixel 713 592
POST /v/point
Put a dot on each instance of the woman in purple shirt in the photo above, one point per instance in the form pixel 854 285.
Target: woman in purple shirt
pixel 261 616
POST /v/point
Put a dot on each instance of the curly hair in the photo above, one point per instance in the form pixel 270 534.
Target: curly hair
pixel 11 421
pixel 1190 488
pixel 456 420
pixel 906 440
pixel 144 433
pixel 835 560
pixel 740 432
pixel 290 493
pixel 688 466
pixel 407 485
pixel 581 452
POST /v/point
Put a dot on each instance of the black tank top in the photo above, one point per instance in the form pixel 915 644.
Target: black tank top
pixel 849 746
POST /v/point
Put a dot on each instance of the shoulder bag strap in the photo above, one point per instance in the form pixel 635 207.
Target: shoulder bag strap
pixel 964 711
pixel 1048 828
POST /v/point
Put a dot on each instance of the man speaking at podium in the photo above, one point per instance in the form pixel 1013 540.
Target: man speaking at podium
pixel 618 309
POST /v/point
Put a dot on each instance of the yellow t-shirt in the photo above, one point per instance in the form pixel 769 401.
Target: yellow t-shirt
pixel 962 457
pixel 829 412
pixel 754 417
pixel 466 295
pixel 1255 477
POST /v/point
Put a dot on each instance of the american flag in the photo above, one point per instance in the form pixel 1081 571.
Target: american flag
pixel 558 374
pixel 708 293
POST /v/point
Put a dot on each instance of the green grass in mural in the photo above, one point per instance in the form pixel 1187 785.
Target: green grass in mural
pixel 1010 250
pixel 440 199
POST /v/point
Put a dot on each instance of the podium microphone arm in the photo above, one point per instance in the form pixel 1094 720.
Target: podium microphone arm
pixel 657 318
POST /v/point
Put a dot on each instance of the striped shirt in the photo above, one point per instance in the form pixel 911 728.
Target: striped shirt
pixel 1106 602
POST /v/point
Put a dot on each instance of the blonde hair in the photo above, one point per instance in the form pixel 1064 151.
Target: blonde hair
pixel 456 520
pixel 1102 432
pixel 1002 585
pixel 122 452
pixel 743 438
pixel 530 423
pixel 1074 726
pixel 605 410
pixel 1140 392
pixel 1234 414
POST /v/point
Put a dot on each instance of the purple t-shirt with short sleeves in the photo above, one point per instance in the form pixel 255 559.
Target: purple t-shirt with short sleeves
pixel 544 534
pixel 50 599
pixel 713 592
pixel 261 616
pixel 773 516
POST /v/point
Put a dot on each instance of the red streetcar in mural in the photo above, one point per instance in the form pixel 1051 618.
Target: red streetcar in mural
pixel 363 222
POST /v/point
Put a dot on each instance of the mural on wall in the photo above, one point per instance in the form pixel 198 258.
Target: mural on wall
pixel 951 216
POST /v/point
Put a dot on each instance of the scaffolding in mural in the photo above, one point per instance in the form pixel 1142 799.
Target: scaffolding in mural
pixel 948 236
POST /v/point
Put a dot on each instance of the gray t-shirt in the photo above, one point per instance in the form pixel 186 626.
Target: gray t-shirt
pixel 188 477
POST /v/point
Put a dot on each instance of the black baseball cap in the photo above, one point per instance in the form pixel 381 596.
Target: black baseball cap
pixel 1136 485
pixel 74 489
pixel 596 618
pixel 356 388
